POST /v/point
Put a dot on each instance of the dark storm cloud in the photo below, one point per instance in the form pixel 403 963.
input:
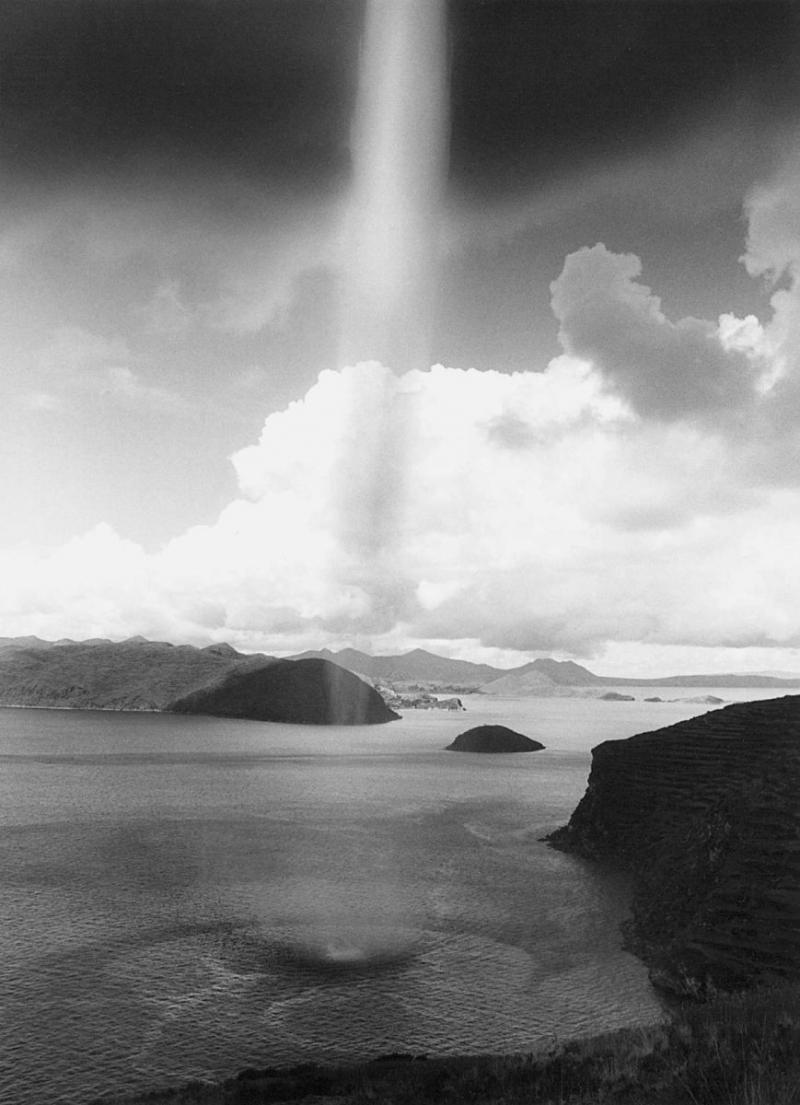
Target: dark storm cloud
pixel 265 88
pixel 96 86
pixel 540 87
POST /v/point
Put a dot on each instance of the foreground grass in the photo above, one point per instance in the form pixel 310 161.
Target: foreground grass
pixel 731 1051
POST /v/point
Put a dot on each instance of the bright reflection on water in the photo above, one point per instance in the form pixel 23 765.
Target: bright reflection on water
pixel 180 898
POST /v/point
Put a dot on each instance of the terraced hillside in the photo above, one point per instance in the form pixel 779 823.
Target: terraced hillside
pixel 705 815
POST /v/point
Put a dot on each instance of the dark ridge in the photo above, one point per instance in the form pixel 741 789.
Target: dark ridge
pixel 705 816
pixel 303 692
pixel 493 738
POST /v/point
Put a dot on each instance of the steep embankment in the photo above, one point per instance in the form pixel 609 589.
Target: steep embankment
pixel 306 692
pixel 129 675
pixel 705 815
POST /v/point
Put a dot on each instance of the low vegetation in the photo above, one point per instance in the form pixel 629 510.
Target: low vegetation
pixel 728 1051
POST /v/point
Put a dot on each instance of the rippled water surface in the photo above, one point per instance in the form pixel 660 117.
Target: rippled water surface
pixel 183 897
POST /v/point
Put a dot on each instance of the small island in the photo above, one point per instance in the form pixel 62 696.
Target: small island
pixel 703 700
pixel 493 738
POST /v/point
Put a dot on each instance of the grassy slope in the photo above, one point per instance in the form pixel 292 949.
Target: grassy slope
pixel 730 1051
pixel 130 675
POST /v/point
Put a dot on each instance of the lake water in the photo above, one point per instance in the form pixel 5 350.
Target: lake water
pixel 183 897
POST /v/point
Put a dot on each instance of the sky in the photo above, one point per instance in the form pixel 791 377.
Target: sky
pixel 598 459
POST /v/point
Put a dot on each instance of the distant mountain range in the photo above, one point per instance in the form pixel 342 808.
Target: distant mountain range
pixel 150 675
pixel 415 666
pixel 566 673
pixel 536 677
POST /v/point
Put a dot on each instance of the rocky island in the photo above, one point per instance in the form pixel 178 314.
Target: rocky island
pixel 493 738
pixel 416 700
pixel 705 817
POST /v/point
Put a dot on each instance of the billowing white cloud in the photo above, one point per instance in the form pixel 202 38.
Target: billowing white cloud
pixel 644 488
pixel 528 512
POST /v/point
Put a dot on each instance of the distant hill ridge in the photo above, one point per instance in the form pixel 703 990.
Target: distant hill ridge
pixel 535 675
pixel 408 667
pixel 137 674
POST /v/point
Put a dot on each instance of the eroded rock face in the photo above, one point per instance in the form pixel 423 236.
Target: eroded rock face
pixel 705 815
pixel 493 738
pixel 303 692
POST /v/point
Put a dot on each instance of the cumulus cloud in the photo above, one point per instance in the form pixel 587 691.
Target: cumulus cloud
pixel 640 489
pixel 773 252
pixel 524 512
pixel 772 208
pixel 664 369
pixel 770 442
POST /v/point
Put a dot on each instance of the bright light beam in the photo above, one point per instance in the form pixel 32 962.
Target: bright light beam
pixel 400 161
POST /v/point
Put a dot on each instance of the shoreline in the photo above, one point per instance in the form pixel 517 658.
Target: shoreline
pixel 86 709
pixel 716 1053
